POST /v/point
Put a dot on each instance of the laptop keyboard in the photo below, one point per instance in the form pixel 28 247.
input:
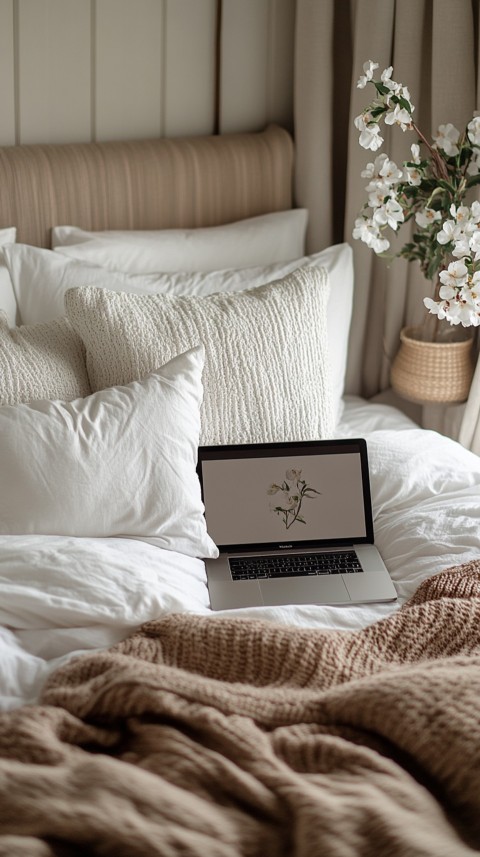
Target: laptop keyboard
pixel 294 565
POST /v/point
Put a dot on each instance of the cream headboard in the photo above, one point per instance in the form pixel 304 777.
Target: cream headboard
pixel 147 184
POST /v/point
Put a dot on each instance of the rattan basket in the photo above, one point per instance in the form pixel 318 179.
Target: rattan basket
pixel 425 372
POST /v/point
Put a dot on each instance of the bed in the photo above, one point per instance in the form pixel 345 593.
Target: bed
pixel 135 719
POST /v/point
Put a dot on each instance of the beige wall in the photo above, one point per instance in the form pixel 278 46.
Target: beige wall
pixel 81 70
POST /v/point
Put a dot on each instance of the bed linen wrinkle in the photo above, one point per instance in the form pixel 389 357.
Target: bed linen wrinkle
pixel 61 596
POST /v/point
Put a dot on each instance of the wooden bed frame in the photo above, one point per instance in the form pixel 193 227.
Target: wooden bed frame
pixel 198 181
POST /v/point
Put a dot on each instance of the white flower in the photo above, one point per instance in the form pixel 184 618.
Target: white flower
pixel 455 276
pixel 415 150
pixel 450 231
pixel 447 293
pixel 385 77
pixel 447 139
pixel 369 233
pixel 475 286
pixel 474 166
pixel 473 130
pixel 364 230
pixel 390 172
pixel 452 311
pixel 475 211
pixel 370 138
pixel 383 173
pixel 461 214
pixel 273 488
pixel 475 298
pixel 394 88
pixel 369 132
pixel 435 307
pixel 389 214
pixel 464 310
pixel 462 247
pixel 377 196
pixel 427 217
pixel 380 245
pixel 399 116
pixel 369 171
pixel 413 176
pixel 368 68
pixel 474 245
pixel 460 310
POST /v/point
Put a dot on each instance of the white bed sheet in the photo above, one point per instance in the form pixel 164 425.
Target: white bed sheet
pixel 60 597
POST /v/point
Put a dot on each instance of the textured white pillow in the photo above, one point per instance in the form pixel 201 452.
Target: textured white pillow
pixel 41 361
pixel 119 462
pixel 275 237
pixel 7 296
pixel 41 279
pixel 267 373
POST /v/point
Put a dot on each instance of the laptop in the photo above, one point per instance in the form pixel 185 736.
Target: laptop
pixel 293 524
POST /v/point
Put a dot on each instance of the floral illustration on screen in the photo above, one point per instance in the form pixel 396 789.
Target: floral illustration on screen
pixel 293 491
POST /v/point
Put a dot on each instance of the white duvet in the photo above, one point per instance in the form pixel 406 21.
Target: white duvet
pixel 60 597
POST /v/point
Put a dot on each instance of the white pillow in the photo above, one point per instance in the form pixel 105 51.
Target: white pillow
pixel 41 361
pixel 266 375
pixel 119 462
pixel 41 279
pixel 7 296
pixel 275 237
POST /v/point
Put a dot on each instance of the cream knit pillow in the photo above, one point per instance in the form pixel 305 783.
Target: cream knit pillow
pixel 266 375
pixel 41 361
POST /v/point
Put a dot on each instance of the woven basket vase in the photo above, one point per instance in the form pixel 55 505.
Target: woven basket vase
pixel 425 372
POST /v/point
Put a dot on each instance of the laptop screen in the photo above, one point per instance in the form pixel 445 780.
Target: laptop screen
pixel 272 496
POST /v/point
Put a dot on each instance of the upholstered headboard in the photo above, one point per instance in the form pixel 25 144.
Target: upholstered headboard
pixel 147 184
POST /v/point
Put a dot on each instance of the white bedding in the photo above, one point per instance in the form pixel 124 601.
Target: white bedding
pixel 62 596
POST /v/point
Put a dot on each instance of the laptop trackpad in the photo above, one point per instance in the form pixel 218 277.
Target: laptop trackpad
pixel 326 589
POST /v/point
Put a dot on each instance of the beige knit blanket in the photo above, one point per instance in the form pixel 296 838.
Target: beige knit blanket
pixel 216 737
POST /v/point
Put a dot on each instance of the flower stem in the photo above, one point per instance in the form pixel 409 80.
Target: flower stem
pixel 439 162
pixel 297 512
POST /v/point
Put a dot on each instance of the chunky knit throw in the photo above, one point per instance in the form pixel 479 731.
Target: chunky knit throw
pixel 217 737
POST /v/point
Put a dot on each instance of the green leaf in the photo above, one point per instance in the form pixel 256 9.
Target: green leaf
pixel 381 88
pixel 473 180
pixel 404 103
pixel 446 185
pixel 378 111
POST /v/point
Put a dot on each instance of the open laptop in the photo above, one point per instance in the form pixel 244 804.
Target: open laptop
pixel 293 524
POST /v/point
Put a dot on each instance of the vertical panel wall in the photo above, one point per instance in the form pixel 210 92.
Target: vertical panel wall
pixel 190 67
pixel 244 64
pixel 7 74
pixel 128 68
pixel 80 70
pixel 256 72
pixel 53 70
